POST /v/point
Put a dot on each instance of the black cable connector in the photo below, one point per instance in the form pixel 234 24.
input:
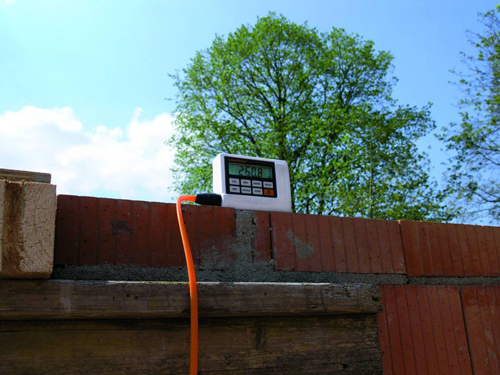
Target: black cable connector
pixel 209 199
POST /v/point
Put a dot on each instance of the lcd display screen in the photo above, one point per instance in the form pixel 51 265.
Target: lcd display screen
pixel 248 170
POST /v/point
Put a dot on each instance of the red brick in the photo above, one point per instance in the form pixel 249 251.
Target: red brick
pixel 89 227
pixel 67 240
pixel 325 244
pixel 331 244
pixel 106 238
pixel 123 231
pixel 456 255
pixel 142 233
pixel 373 246
pixel 422 331
pixel 283 249
pixel 397 255
pixel 492 247
pixel 482 313
pixel 174 251
pixel 338 245
pixel 224 222
pixel 158 234
pixel 350 244
pixel 262 240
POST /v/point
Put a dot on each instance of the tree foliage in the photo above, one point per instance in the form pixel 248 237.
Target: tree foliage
pixel 320 101
pixel 474 175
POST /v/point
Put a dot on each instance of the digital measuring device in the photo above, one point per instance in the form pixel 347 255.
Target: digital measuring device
pixel 250 183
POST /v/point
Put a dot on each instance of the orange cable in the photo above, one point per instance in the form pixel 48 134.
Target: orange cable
pixel 193 357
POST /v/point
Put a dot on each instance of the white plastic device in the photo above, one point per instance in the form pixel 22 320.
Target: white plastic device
pixel 250 183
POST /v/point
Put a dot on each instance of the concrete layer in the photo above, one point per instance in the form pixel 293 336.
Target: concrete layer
pixel 258 273
pixel 473 280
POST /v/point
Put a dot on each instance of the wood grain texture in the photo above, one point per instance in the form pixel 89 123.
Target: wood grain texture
pixel 56 299
pixel 28 211
pixel 267 345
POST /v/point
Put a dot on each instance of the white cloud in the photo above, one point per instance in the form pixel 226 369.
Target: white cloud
pixel 133 163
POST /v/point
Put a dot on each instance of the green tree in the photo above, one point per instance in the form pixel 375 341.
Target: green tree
pixel 474 174
pixel 320 101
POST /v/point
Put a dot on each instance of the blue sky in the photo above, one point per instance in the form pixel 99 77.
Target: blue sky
pixel 83 83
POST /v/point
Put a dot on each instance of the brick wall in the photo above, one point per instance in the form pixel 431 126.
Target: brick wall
pixel 424 329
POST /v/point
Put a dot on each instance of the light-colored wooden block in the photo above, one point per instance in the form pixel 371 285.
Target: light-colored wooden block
pixel 27 229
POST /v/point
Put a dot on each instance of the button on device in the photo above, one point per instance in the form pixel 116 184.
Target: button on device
pixel 257 191
pixel 234 189
pixel 269 192
pixel 234 181
pixel 246 183
pixel 246 190
pixel 257 183
pixel 268 185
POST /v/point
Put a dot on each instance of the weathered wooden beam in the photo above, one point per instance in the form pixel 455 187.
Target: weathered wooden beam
pixel 64 299
pixel 14 175
pixel 344 345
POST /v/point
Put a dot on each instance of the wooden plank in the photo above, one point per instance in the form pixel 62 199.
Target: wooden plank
pixel 64 299
pixel 271 345
pixel 14 175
